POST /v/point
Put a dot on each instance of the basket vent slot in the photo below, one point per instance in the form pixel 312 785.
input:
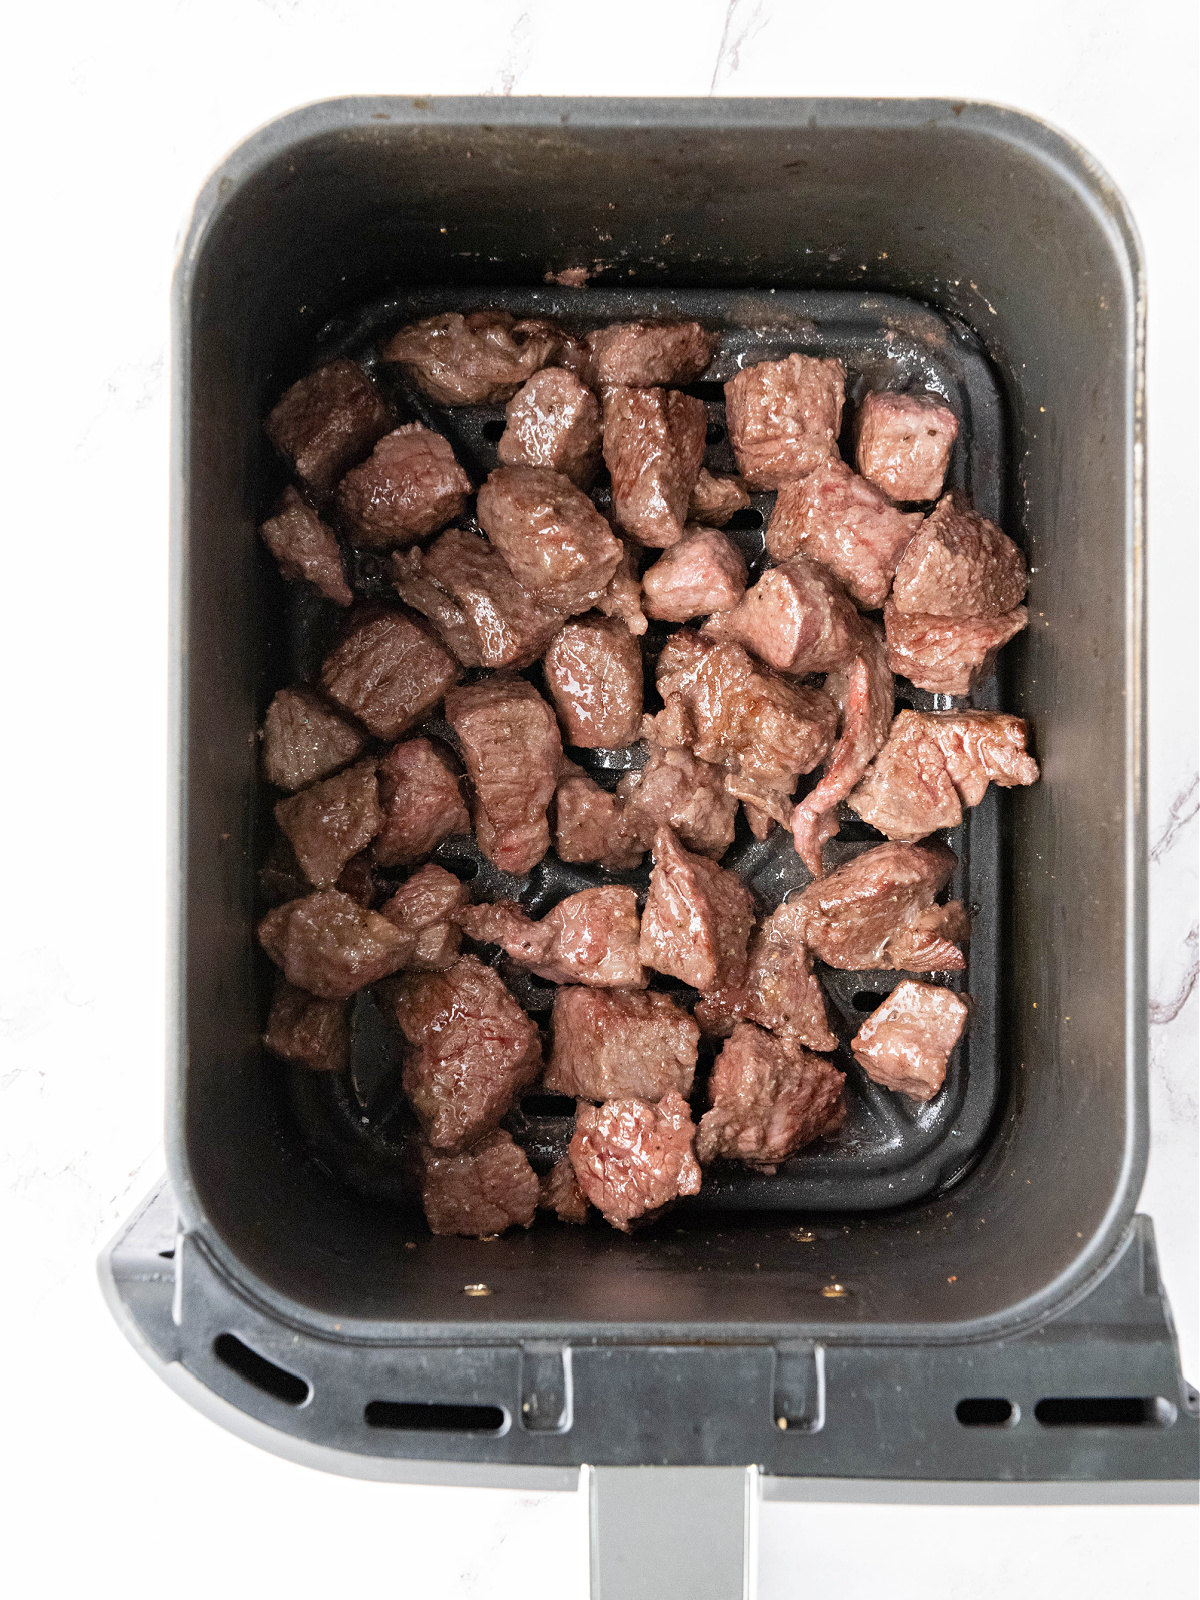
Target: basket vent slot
pixel 263 1374
pixel 1105 1411
pixel 987 1413
pixel 419 1416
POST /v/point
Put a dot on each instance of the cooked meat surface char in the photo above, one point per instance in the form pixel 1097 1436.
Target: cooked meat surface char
pixel 877 912
pixel 560 1193
pixel 477 359
pixel 715 499
pixel 650 353
pixel 425 905
pixel 389 672
pixel 947 655
pixel 623 596
pixel 784 417
pixel 653 447
pixel 305 549
pixel 588 938
pixel 328 421
pixel 303 739
pixel 797 618
pixel 330 945
pixel 409 486
pixel 780 990
pixel 421 801
pixel 593 670
pixel 633 1157
pixel 769 1098
pixel 557 545
pixel 906 1043
pixel 676 790
pixel 697 919
pixel 306 1031
pixel 904 443
pixel 704 572
pixel 611 1044
pixel 512 751
pixel 331 821
pixel 553 421
pixel 959 565
pixel 589 822
pixel 478 1192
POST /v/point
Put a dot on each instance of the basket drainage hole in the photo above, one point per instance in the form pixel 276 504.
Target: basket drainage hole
pixel 263 1374
pixel 423 1417
pixel 744 521
pixel 986 1413
pixel 868 1000
pixel 714 433
pixel 493 431
pixel 1105 1411
pixel 548 1105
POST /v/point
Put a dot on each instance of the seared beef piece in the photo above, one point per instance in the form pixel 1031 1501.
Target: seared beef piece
pixel 866 697
pixel 331 946
pixel 839 518
pixel 632 1157
pixel 425 906
pixel 411 486
pixel 560 1193
pixel 554 421
pixel 947 655
pixel 512 750
pixel 357 879
pixel 303 740
pixel 590 937
pixel 421 801
pixel 306 1031
pixel 588 822
pixel 701 574
pixel 935 763
pixel 306 549
pixel 610 1044
pixel 332 821
pixel 479 1192
pixel 649 353
pixel 697 919
pixel 470 1049
pixel 959 565
pixel 904 443
pixel 780 990
pixel 478 359
pixel 327 422
pixel 797 618
pixel 877 912
pixel 556 543
pixel 769 1098
pixel 905 1043
pixel 594 672
pixel 653 447
pixel 466 589
pixel 784 418
pixel 715 500
pixel 623 596
pixel 676 790
pixel 389 671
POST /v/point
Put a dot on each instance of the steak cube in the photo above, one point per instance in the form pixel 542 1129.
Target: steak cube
pixel 703 573
pixel 304 739
pixel 904 443
pixel 905 1044
pixel 715 500
pixel 784 418
pixel 331 946
pixel 588 823
pixel 623 596
pixel 959 565
pixel 553 421
pixel 478 359
pixel 306 549
pixel 425 906
pixel 411 486
pixel 589 938
pixel 421 802
pixel 512 751
pixel 560 1193
pixel 675 790
pixel 557 545
pixel 389 671
pixel 328 421
pixel 332 821
pixel 650 353
pixel 306 1031
pixel 611 1044
pixel 632 1157
pixel 769 1098
pixel 780 990
pixel 479 1192
pixel 947 655
pixel 876 912
pixel 593 670
pixel 797 618
pixel 653 447
pixel 697 918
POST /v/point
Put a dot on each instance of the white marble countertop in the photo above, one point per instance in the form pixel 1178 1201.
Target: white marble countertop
pixel 116 115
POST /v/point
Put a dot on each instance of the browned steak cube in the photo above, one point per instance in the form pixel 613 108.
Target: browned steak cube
pixel 328 421
pixel 331 946
pixel 594 672
pixel 797 618
pixel 703 573
pixel 588 823
pixel 632 1157
pixel 306 1031
pixel 904 443
pixel 553 421
pixel 623 596
pixel 512 750
pixel 306 549
pixel 304 739
pixel 780 990
pixel 948 655
pixel 479 1192
pixel 590 937
pixel 389 671
pixel 877 912
pixel 470 1049
pixel 421 802
pixel 697 919
pixel 610 1044
pixel 478 359
pixel 650 353
pixel 715 500
pixel 959 565
pixel 905 1043
pixel 784 418
pixel 769 1098
pixel 425 906
pixel 411 486
pixel 560 1193
pixel 676 790
pixel 653 447
pixel 332 821
pixel 556 543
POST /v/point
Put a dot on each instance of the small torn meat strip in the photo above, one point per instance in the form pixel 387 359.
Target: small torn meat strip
pixel 780 990
pixel 935 763
pixel 769 1098
pixel 478 1192
pixel 697 919
pixel 623 596
pixel 512 751
pixel 876 912
pixel 357 879
pixel 421 802
pixel 470 1049
pixel 633 1157
pixel 839 518
pixel 306 1031
pixel 947 655
pixel 303 739
pixel 389 672
pixel 331 946
pixel 328 421
pixel 676 790
pixel 425 906
pixel 410 486
pixel 478 359
pixel 653 447
pixel 590 937
pixel 959 565
pixel 593 670
pixel 906 1043
pixel 715 500
pixel 610 1044
pixel 784 417
pixel 306 549
pixel 589 822
pixel 332 821
pixel 703 573
pixel 797 618
pixel 904 443
pixel 648 354
pixel 560 1193
pixel 556 543
pixel 553 421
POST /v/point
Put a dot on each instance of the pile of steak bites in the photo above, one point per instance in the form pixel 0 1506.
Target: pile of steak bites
pixel 519 620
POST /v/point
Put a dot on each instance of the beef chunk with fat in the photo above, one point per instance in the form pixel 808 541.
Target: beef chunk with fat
pixel 389 672
pixel 303 739
pixel 959 565
pixel 947 655
pixel 633 1157
pixel 780 990
pixel 332 821
pixel 512 751
pixel 623 596
pixel 421 802
pixel 560 1193
pixel 650 353
pixel 409 487
pixel 589 938
pixel 653 447
pixel 478 359
pixel 769 1098
pixel 610 1044
pixel 306 549
pixel 703 573
pixel 331 946
pixel 697 919
pixel 715 500
pixel 589 823
pixel 677 791
pixel 553 421
pixel 905 1044
pixel 328 421
pixel 306 1031
pixel 876 912
pixel 904 443
pixel 784 418
pixel 797 618
pixel 478 1192
pixel 425 906
pixel 593 670
pixel 557 545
